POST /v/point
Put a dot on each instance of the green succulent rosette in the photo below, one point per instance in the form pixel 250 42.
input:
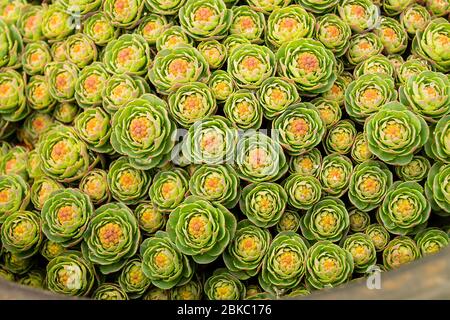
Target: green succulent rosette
pixel 395 133
pixel 201 229
pixel 14 195
pixel 41 189
pixel 58 51
pixel 81 7
pixel 233 41
pixel 248 23
pixel 12 45
pixel 302 191
pixel 38 94
pixel 109 291
pixel 100 29
pixel 300 291
pixel 13 106
pixel 223 285
pixel 163 263
pixel 330 112
pixel 334 33
pixel 362 250
pixel 143 131
pixel 259 158
pixel 172 37
pixel 56 23
pixel 65 112
pixel 243 110
pixel 129 54
pixel 437 186
pixel 359 220
pixel 438 8
pixel 287 24
pixel 112 237
pixel 340 137
pixel 395 7
pixel 70 274
pixel 393 36
pixel 275 95
pixel 360 15
pixel 427 94
pixel 216 183
pixel 123 13
pixel 62 78
pixel 64 156
pixel 252 290
pixel 90 85
pixel 337 91
pixel 335 174
pixel 33 279
pixel 151 27
pixel 15 162
pixel 35 57
pixel 416 170
pixel 299 128
pixel 379 236
pixel 328 265
pixel 397 61
pixel 21 233
pixel 34 126
pixel 263 203
pixel 80 50
pixel 307 163
pixel 400 251
pixel 308 63
pixel 369 184
pixel 318 6
pixel 289 221
pixel 415 18
pixel 373 65
pixel 214 52
pixel 175 67
pixel 192 102
pixel 328 219
pixel 11 10
pixel 221 84
pixel 363 46
pixel 438 146
pixel 245 253
pixel 165 8
pixel 132 279
pixel 431 240
pixel 156 293
pixel 93 127
pixel 193 290
pixel 431 44
pixel 65 216
pixel 410 68
pixel 210 141
pixel 150 217
pixel 34 165
pixel 169 188
pixel 50 249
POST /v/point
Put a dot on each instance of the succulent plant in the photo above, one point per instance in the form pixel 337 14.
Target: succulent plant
pixel 399 251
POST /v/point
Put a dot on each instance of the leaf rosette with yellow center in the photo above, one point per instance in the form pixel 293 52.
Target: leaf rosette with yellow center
pixel 233 41
pixel 284 264
pixel 169 188
pixel 65 216
pixel 328 265
pixel 363 46
pixel 193 290
pixel 65 112
pixel 50 249
pixel 400 251
pixel 360 15
pixel 308 63
pixel 221 84
pixel 373 65
pixel 359 220
pixel 93 127
pixel 201 229
pixel 415 18
pixel 109 291
pixel 80 50
pixel 275 95
pixel 35 57
pixel 13 103
pixel 362 250
pixel 302 191
pixel 438 8
pixel 94 184
pixel 13 45
pixel 10 10
pixel 405 209
pixel 416 170
pixel 56 23
pixel 330 112
pixel 38 94
pixel 150 217
pixel 29 23
pixel 289 221
pixel 308 164
pixel 58 51
pixel 223 285
pixel 340 137
pixel 34 165
pixel 335 174
pixel 62 78
pixel 34 126
pixel 431 240
pixel 14 195
pixel 166 8
pixel 243 109
pixel 133 280
pixel 410 68
pixel 41 189
pixel 152 26
pixel 438 146
pixel 395 7
pixel 123 13
pixel 393 36
pixel 214 52
pixel 379 236
pixel 328 220
pixel 172 37
pixel 360 150
pixel 369 184
pixel 337 91
pixel 334 33
pixel 99 28
pixel 263 203
pixel 70 274
pixel 216 183
pixel 90 85
pixel 112 237
pixel 163 263
pixel 15 162
pixel 175 67
pixel 437 188
pixel 248 23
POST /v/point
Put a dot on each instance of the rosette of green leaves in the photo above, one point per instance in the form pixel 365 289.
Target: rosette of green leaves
pixel 38 94
pixel 143 131
pixel 150 217
pixel 64 156
pixel 275 95
pixel 395 7
pixel 10 10
pixel 210 141
pixel 133 280
pixel 12 45
pixel 263 203
pixel 308 63
pixel 214 52
pixel 318 7
pixel 360 15
pixel 337 91
pixel 431 44
pixel 328 265
pixel 359 220
pixel 307 163
pixel 100 29
pixel 130 54
pixel 221 84
pixel 375 64
pixel 35 56
pixel 369 184
pixel 56 23
pixel 112 237
pixel 400 251
pixel 163 263
pixel 411 68
pixel 33 278
pixel 109 291
pixel 415 18
pixel 330 112
pixel 69 273
pixel 363 46
pixel 61 78
pixel 93 127
pixel 427 94
pixel 328 220
pixel 289 23
pixel 201 229
pixel 438 146
pixel 216 183
pixel 166 8
pixel 437 186
pixel 259 158
pixel 169 188
pixel 392 35
pixel 58 51
pixel 21 233
pixel 405 209
pixel 340 137
pixel 33 126
pixel 243 109
pixel 334 33
pixel 362 250
pixel 397 61
pixel 82 7
pixel 65 216
pixel 379 236
pixel 90 85
pixel 15 162
pixel 172 37
pixel 193 290
pixel 335 174
pixel 299 128
pixel 50 249
pixel 14 195
pixel 302 191
pixel 13 106
pixel 233 41
pixel 151 27
pixel 156 293
pixel 223 285
pixel 65 112
pixel 123 14
pixel 431 240
pixel 41 189
pixel 174 67
pixel 284 264
pixel 192 102
pixel 248 23
pixel 367 94
pixel 416 170
pixel 438 8
pixel 395 133
pixel 266 7
pixel 245 253
pixel 80 50
pixel 34 165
